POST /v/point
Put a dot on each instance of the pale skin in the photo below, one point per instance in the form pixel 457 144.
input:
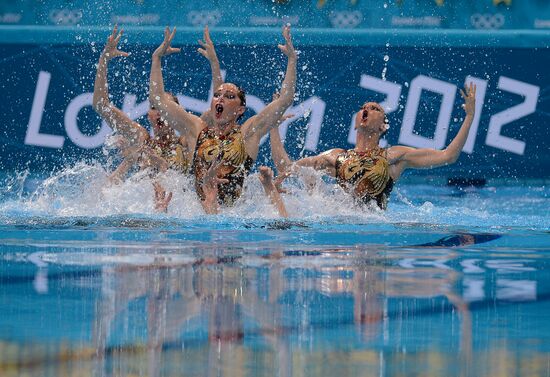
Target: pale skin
pixel 209 52
pixel 162 200
pixel 134 134
pixel 225 106
pixel 370 127
pixel 266 178
pixel 132 147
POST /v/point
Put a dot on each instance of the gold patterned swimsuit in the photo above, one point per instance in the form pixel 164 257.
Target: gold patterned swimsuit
pixel 365 174
pixel 236 164
pixel 172 151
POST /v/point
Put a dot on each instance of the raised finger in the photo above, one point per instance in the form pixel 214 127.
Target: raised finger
pixel 172 34
pixel 462 93
pixel 169 197
pixel 202 43
pixel 286 31
pixel 117 39
pixel 207 34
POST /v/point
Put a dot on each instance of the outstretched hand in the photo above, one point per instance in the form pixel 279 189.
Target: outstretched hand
pixel 207 45
pixel 288 47
pixel 111 47
pixel 165 48
pixel 469 98
pixel 210 187
pixel 161 199
pixel 278 181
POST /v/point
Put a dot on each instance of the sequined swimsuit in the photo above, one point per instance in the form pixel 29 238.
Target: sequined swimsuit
pixel 173 152
pixel 236 163
pixel 365 174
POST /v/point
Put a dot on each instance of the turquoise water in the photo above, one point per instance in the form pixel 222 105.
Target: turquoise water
pixel 448 281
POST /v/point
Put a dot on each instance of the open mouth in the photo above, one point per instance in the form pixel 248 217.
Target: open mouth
pixel 219 109
pixel 365 115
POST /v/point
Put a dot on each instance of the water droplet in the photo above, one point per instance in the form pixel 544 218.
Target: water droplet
pixel 386 58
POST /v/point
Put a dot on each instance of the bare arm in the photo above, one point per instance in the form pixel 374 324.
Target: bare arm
pixel 278 153
pixel 402 157
pixel 187 124
pixel 115 118
pixel 254 129
pixel 266 178
pixel 209 52
pixel 117 176
pixel 325 162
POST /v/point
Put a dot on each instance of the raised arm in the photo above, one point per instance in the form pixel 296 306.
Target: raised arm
pixel 256 127
pixel 115 118
pixel 278 153
pixel 189 125
pixel 209 52
pixel 401 157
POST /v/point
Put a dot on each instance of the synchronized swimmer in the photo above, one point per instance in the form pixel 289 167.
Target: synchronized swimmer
pixel 368 172
pixel 220 153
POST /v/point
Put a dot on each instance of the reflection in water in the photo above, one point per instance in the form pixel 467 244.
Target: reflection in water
pixel 292 313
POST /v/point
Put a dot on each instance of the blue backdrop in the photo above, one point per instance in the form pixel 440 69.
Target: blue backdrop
pixel 48 120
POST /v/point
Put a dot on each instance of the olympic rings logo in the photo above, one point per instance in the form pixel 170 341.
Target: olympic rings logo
pixel 65 16
pixel 345 19
pixel 487 21
pixel 203 18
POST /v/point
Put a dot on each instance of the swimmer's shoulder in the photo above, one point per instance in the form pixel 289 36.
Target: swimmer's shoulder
pixel 396 152
pixel 332 152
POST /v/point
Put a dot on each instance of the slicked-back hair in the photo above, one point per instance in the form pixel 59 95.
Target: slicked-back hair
pixel 241 94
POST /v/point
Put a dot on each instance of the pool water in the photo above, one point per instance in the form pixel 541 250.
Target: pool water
pixel 447 282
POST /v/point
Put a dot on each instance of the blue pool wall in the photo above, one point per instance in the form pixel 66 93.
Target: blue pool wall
pixel 48 74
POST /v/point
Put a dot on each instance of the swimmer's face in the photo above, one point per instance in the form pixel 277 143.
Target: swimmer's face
pixel 371 117
pixel 154 116
pixel 226 106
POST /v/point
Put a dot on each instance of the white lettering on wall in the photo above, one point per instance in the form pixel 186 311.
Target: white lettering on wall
pixel 71 124
pixel 531 94
pixel 33 135
pixel 448 91
pixel 481 89
pixel 314 109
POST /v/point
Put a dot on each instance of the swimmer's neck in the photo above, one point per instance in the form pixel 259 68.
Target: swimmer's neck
pixel 366 141
pixel 224 128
